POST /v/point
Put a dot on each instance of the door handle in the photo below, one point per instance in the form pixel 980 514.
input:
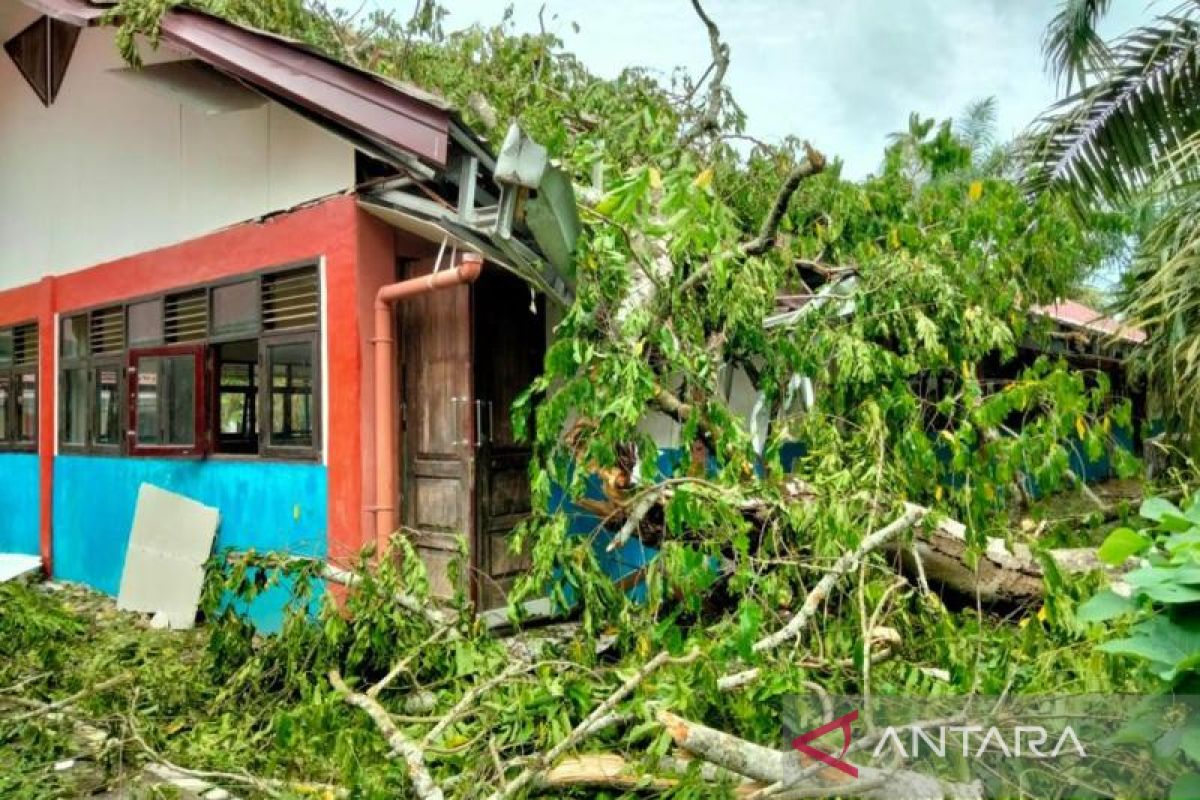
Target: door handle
pixel 480 436
pixel 456 437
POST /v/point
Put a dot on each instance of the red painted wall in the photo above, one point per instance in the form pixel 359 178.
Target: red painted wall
pixel 333 228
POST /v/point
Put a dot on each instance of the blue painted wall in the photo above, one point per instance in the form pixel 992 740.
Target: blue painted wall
pixel 19 521
pixel 264 505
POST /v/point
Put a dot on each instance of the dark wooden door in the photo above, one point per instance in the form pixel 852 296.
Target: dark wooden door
pixel 510 342
pixel 438 426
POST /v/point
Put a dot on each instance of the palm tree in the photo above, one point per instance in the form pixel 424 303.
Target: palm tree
pixel 1127 136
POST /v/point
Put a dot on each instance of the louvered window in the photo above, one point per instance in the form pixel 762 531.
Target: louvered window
pixel 185 317
pixel 228 368
pixel 19 387
pixel 25 345
pixel 107 334
pixel 290 300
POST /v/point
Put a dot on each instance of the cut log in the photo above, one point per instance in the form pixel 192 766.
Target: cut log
pixel 788 768
pixel 1000 575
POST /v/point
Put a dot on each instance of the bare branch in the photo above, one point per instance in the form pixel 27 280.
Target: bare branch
pixel 709 120
pixel 813 164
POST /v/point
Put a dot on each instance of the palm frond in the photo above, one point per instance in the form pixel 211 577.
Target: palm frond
pixel 977 125
pixel 1164 286
pixel 1105 140
pixel 1072 47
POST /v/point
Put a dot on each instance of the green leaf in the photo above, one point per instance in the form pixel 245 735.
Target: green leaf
pixel 1187 787
pixel 1155 508
pixel 1172 645
pixel 1171 593
pixel 1121 544
pixel 1105 606
pixel 1190 741
pixel 750 617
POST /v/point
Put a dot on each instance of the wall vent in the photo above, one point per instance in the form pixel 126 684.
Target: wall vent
pixel 185 317
pixel 107 334
pixel 25 345
pixel 41 53
pixel 290 300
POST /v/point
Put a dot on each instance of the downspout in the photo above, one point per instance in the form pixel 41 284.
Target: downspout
pixel 384 342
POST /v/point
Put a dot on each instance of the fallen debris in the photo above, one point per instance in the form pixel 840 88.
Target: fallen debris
pixel 171 539
pixel 15 565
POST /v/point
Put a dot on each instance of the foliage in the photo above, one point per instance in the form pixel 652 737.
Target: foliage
pixel 1163 597
pixel 1126 139
pixel 687 298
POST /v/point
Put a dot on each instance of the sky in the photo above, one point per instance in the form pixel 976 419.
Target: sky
pixel 841 73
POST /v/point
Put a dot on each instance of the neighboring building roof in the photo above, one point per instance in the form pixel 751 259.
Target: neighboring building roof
pixel 1077 315
pixel 390 119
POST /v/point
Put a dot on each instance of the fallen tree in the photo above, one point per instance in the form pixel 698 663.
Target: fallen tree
pixel 709 396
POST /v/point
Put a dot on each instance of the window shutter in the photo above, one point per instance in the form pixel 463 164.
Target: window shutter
pixel 185 317
pixel 290 300
pixel 107 334
pixel 25 345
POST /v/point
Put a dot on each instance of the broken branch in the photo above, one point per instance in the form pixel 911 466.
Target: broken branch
pixel 848 561
pixel 709 120
pixel 813 163
pixel 401 745
pixel 589 725
pixel 770 766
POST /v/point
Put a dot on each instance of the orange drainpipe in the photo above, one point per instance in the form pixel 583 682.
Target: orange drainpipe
pixel 384 342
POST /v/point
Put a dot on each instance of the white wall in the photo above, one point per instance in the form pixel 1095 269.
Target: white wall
pixel 114 168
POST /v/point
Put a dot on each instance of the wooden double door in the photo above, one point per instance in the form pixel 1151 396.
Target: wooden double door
pixel 467 353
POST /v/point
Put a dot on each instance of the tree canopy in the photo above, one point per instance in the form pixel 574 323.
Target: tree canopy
pixel 707 259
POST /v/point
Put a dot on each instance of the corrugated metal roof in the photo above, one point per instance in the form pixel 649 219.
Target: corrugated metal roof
pixel 1078 315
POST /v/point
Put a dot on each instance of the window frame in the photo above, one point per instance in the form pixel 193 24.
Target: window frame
pixel 9 441
pixel 215 362
pixel 78 361
pixel 310 452
pixel 117 363
pixel 16 445
pixel 207 428
pixel 198 447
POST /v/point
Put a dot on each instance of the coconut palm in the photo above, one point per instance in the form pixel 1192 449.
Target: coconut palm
pixel 1127 136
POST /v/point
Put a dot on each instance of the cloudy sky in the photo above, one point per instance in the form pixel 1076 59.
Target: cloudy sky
pixel 842 73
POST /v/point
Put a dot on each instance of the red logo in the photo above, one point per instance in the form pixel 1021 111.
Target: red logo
pixel 801 743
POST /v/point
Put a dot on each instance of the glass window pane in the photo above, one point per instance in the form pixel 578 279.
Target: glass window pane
pixel 73 343
pixel 180 372
pixel 25 409
pixel 235 308
pixel 291 394
pixel 6 347
pixel 108 405
pixel 74 406
pixel 148 374
pixel 237 397
pixel 145 323
pixel 5 395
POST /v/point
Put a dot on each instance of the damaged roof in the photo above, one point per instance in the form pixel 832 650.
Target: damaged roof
pixel 416 132
pixel 1074 314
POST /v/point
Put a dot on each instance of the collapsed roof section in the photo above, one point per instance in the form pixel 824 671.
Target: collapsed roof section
pixel 430 175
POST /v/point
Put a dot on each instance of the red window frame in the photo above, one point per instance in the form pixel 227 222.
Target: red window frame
pixel 200 442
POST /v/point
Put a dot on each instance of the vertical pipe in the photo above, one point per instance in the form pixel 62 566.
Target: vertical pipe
pixel 384 342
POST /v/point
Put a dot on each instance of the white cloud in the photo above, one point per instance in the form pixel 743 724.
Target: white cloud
pixel 842 73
